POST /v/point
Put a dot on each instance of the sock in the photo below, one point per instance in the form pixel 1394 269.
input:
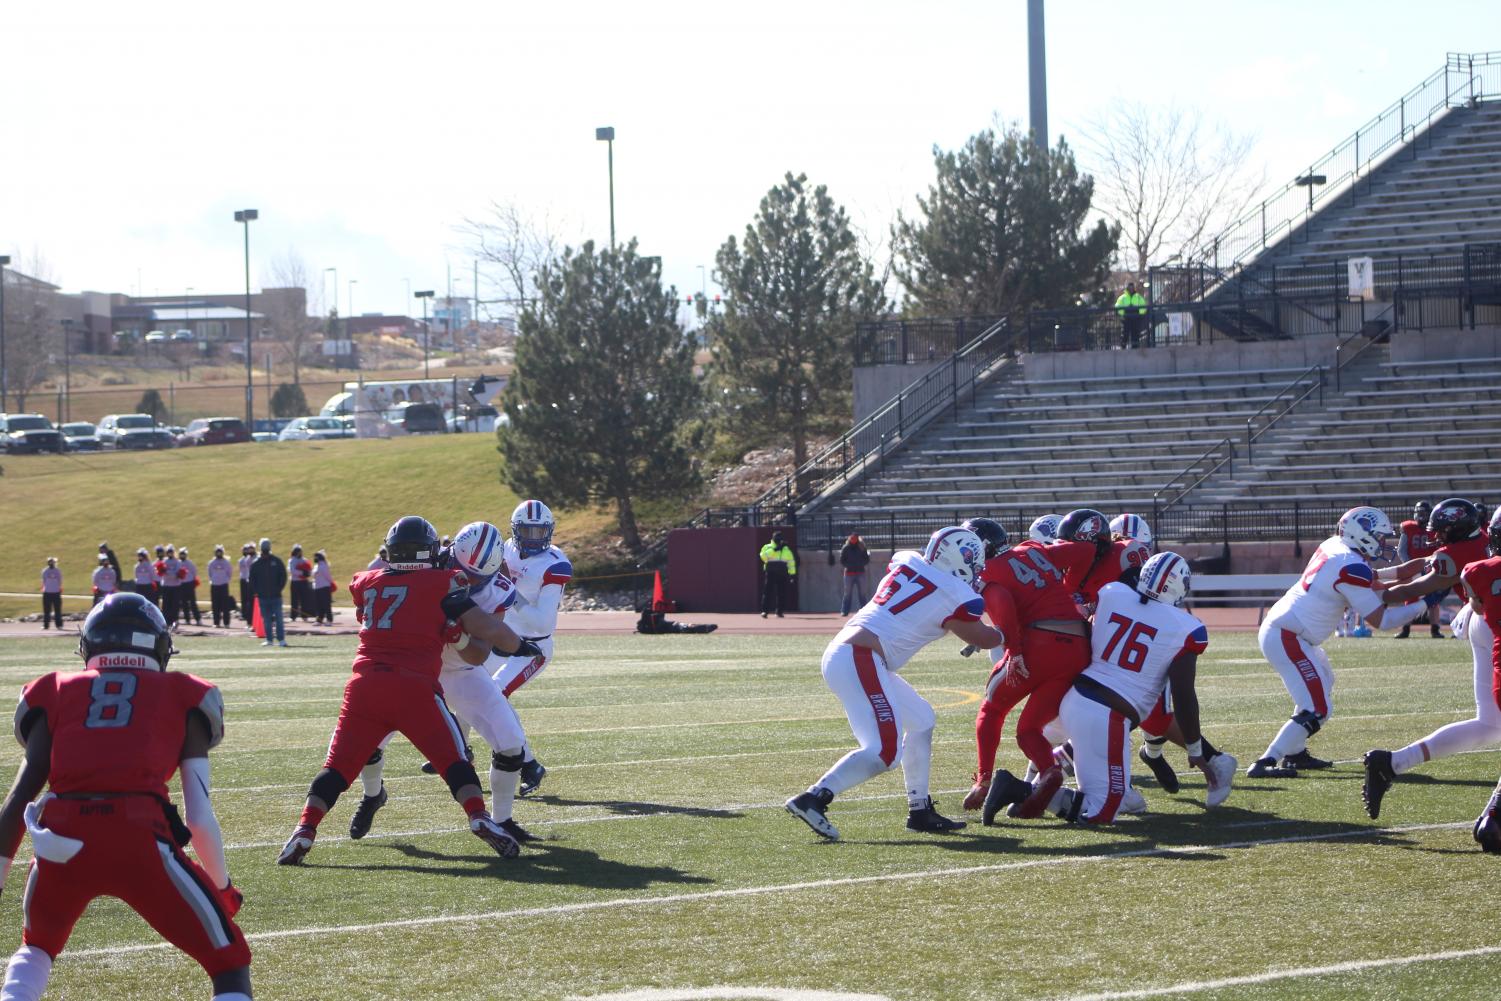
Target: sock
pixel 1209 749
pixel 26 975
pixel 527 757
pixel 821 794
pixel 1455 738
pixel 1291 739
pixel 503 789
pixel 232 996
pixel 1152 747
pixel 474 806
pixel 849 771
pixel 917 767
pixel 370 778
pixel 312 816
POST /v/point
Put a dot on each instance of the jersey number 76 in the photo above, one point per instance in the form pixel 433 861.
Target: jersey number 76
pixel 1133 652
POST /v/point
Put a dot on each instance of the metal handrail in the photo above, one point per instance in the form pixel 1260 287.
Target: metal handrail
pixel 1339 363
pixel 1317 385
pixel 1294 203
pixel 1183 474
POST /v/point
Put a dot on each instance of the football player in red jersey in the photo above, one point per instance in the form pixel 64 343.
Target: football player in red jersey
pixel 107 739
pixel 1482 583
pixel 1046 645
pixel 407 613
pixel 1479 579
pixel 1415 542
pixel 1461 535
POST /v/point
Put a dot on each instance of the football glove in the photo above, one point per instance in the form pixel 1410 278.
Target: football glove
pixel 527 649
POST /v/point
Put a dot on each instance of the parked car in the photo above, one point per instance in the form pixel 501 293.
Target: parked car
pixel 418 418
pixel 215 431
pixel 156 337
pixel 315 429
pixel 348 421
pixel 182 335
pixel 263 436
pixel 475 419
pixel 133 431
pixel 20 433
pixel 79 436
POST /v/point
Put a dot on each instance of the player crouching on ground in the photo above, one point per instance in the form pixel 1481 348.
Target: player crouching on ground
pixel 407 613
pixel 1141 640
pixel 108 738
pixel 1338 576
pixel 923 596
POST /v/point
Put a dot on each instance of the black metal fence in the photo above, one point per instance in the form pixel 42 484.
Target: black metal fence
pixel 918 341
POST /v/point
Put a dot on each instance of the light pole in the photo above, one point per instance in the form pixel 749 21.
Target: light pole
pixel 606 134
pixel 247 216
pixel 424 295
pixel 350 304
pixel 4 383
pixel 67 409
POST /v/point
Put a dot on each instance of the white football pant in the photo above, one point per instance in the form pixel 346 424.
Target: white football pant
pixel 517 671
pixel 1102 752
pixel 1308 677
pixel 1482 731
pixel 888 718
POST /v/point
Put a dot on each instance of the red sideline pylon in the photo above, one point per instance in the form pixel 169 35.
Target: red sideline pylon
pixel 659 595
pixel 256 622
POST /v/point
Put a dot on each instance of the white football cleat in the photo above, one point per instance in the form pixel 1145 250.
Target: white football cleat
pixel 1221 771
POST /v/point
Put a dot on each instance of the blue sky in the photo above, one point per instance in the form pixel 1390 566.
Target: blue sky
pixel 366 132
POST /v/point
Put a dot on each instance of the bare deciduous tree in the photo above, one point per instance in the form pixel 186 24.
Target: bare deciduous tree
pixel 287 316
pixel 32 328
pixel 517 243
pixel 1170 179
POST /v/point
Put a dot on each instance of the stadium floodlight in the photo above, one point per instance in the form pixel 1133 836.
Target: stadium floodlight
pixel 606 135
pixel 4 383
pixel 1310 181
pixel 247 216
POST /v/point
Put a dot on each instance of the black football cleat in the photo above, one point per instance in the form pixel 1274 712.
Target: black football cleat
pixel 532 773
pixel 930 821
pixel 1405 633
pixel 811 808
pixel 1161 770
pixel 1379 777
pixel 1005 789
pixel 364 814
pixel 494 835
pixel 1305 762
pixel 515 830
pixel 1043 790
pixel 1267 768
pixel 1488 833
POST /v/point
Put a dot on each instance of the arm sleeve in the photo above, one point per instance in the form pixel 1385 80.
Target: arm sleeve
pixel 548 600
pixel 1404 552
pixel 1001 608
pixel 456 603
pixel 208 840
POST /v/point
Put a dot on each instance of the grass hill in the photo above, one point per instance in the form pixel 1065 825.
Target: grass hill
pixel 339 496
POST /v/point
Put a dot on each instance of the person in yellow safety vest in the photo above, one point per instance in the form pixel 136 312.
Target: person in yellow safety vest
pixel 781 566
pixel 1132 308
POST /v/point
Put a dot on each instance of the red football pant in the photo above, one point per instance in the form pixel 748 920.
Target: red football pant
pixel 1053 661
pixel 128 852
pixel 378 702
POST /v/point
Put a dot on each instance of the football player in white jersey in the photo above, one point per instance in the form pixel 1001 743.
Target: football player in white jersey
pixel 922 597
pixel 1141 641
pixel 1338 576
pixel 468 689
pixel 540 571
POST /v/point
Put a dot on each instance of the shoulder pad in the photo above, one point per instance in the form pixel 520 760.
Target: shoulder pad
pixel 29 706
pixel 1443 564
pixel 561 572
pixel 212 707
pixel 1356 573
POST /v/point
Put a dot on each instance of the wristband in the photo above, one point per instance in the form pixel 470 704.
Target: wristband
pixel 1195 749
pixel 461 642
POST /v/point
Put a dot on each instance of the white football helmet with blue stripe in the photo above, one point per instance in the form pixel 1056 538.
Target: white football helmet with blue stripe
pixel 957 550
pixel 479 550
pixel 1131 526
pixel 531 527
pixel 1164 578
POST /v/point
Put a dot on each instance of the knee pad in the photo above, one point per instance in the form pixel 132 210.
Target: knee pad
pixel 1310 721
pixel 376 758
pixel 507 761
pixel 460 774
pixel 328 786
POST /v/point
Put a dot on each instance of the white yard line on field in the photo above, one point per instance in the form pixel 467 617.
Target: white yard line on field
pixel 779 888
pixel 1351 966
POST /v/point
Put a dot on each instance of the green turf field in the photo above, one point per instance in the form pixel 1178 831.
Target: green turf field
pixel 671 864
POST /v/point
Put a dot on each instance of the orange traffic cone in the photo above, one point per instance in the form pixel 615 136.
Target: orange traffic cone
pixel 256 622
pixel 659 601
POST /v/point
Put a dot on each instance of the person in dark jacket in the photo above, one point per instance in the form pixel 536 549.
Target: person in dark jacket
pixel 854 557
pixel 780 564
pixel 109 554
pixel 268 578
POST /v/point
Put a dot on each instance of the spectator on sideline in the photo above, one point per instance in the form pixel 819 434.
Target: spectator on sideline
pixel 219 574
pixel 109 554
pixel 781 566
pixel 268 578
pixel 168 574
pixel 854 557
pixel 381 561
pixel 323 589
pixel 1132 309
pixel 156 578
pixel 145 577
pixel 188 593
pixel 106 579
pixel 247 597
pixel 298 569
pixel 52 593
